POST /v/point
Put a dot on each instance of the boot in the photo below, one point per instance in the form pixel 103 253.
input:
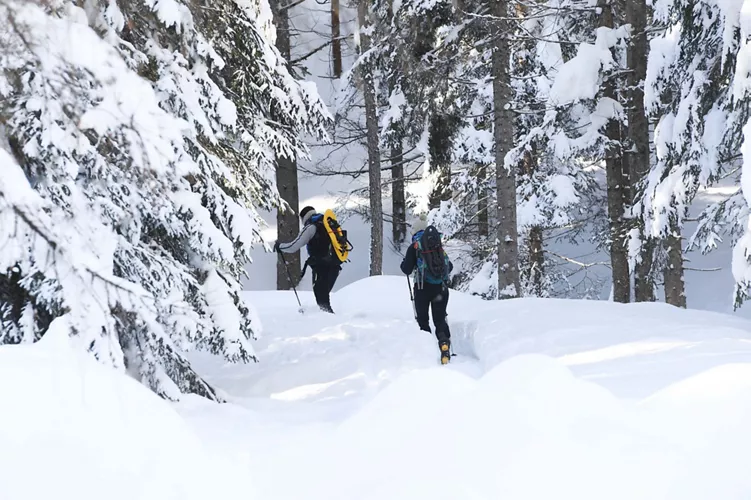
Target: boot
pixel 326 308
pixel 445 347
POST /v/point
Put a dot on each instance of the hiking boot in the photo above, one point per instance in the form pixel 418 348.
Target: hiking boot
pixel 445 352
pixel 326 308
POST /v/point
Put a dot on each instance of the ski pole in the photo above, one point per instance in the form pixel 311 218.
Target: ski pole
pixel 411 297
pixel 289 277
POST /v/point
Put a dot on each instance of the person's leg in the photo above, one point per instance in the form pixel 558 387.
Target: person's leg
pixel 321 288
pixel 438 306
pixel 333 276
pixel 332 273
pixel 422 303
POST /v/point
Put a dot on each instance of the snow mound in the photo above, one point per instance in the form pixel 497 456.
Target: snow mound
pixel 547 399
pixel 72 428
pixel 528 429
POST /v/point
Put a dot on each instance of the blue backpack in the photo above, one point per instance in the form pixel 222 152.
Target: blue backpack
pixel 433 263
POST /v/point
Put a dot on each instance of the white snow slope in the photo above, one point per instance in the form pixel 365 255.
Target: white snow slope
pixel 545 399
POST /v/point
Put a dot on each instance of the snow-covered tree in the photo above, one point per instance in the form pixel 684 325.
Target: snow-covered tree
pixel 153 147
pixel 697 92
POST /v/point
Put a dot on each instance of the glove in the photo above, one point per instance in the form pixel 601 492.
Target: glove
pixel 276 247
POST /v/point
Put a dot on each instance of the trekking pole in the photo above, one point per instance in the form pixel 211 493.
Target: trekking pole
pixel 411 297
pixel 289 277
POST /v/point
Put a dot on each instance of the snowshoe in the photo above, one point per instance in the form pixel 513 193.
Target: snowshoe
pixel 445 352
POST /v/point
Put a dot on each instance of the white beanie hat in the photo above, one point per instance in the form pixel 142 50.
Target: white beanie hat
pixel 419 224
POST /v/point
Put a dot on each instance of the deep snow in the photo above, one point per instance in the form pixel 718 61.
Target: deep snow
pixel 545 399
pixel 73 429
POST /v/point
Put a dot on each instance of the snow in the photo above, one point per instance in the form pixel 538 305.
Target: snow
pixel 602 400
pixel 579 78
pixel 170 12
pixel 225 314
pixel 72 428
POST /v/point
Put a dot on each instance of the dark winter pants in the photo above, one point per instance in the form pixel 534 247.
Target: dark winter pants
pixel 324 279
pixel 435 297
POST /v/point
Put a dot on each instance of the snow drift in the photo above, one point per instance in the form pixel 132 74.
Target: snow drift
pixel 72 428
pixel 546 399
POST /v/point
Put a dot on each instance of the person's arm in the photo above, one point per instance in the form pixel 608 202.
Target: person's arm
pixel 410 260
pixel 302 239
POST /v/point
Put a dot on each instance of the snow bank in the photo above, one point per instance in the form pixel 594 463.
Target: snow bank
pixel 528 429
pixel 547 399
pixel 71 428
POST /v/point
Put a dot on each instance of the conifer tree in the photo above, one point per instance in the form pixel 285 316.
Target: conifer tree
pixel 153 147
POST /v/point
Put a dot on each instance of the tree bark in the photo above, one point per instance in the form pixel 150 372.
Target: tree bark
pixel 638 132
pixel 374 155
pixel 503 132
pixel 398 198
pixel 287 221
pixel 536 260
pixel 482 201
pixel 536 265
pixel 618 186
pixel 675 288
pixel 336 43
pixel 439 148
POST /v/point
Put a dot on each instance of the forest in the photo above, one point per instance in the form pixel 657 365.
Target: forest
pixel 141 140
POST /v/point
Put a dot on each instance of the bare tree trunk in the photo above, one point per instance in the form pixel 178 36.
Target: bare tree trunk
pixel 439 147
pixel 482 201
pixel 336 43
pixel 398 198
pixel 503 132
pixel 618 186
pixel 638 131
pixel 675 288
pixel 287 222
pixel 374 154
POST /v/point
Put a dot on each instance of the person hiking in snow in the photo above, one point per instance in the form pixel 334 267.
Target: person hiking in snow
pixel 426 257
pixel 322 262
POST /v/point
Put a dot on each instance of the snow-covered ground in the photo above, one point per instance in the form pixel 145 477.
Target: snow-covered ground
pixel 73 429
pixel 545 399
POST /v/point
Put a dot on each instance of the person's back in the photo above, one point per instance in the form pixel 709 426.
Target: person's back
pixel 324 265
pixel 431 265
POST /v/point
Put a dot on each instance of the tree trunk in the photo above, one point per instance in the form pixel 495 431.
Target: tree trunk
pixel 675 289
pixel 439 148
pixel 374 155
pixel 287 221
pixel 503 133
pixel 536 260
pixel 536 265
pixel 618 186
pixel 482 201
pixel 638 132
pixel 336 43
pixel 398 198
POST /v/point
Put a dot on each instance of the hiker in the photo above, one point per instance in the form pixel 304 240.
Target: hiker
pixel 321 259
pixel 426 257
